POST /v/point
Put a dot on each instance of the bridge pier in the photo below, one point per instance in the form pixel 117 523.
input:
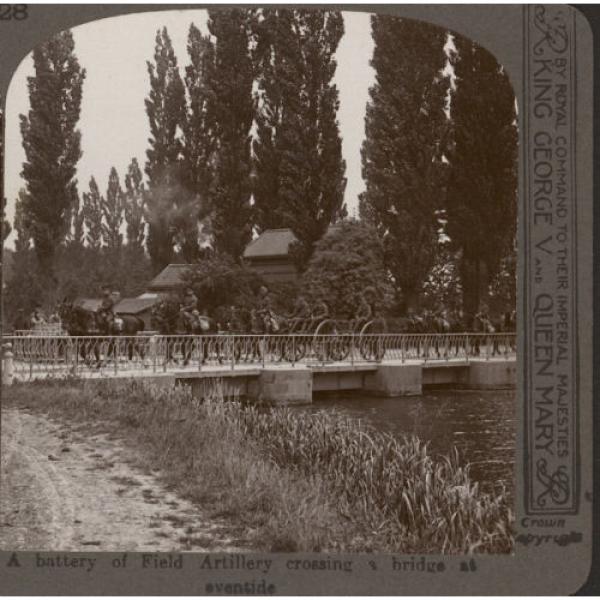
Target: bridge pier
pixel 492 374
pixel 395 378
pixel 283 385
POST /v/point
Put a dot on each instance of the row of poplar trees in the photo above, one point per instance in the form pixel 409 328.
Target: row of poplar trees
pixel 272 67
pixel 440 156
pixel 269 67
pixel 253 115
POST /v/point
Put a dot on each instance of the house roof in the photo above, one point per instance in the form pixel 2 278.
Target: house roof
pixel 270 243
pixel 134 306
pixel 169 277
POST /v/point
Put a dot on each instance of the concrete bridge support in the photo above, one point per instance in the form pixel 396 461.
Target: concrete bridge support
pixel 492 374
pixel 283 385
pixel 394 378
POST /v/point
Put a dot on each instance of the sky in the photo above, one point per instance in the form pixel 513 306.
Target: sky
pixel 114 125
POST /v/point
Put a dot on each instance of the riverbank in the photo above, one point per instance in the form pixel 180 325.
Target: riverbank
pixel 286 481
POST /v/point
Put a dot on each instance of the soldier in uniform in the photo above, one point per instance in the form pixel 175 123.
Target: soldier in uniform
pixel 265 309
pixel 37 318
pixel 234 324
pixel 320 312
pixel 106 311
pixel 300 314
pixel 189 308
pixel 484 319
pixel 364 313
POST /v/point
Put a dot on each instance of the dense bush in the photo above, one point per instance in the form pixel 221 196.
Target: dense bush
pixel 219 281
pixel 348 259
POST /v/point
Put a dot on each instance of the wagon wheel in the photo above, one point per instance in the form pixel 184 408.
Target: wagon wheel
pixel 339 346
pixel 322 345
pixel 370 346
pixel 294 348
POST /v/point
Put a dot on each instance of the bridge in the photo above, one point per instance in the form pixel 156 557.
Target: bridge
pixel 275 368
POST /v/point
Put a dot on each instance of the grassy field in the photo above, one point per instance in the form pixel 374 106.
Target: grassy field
pixel 292 481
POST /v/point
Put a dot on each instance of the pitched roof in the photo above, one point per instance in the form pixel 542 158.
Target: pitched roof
pixel 169 277
pixel 270 243
pixel 133 306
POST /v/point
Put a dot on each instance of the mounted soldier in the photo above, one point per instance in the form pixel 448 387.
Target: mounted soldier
pixel 106 314
pixel 265 310
pixel 37 318
pixel 300 314
pixel 189 309
pixel 320 312
pixel 364 312
pixel 234 323
pixel 482 320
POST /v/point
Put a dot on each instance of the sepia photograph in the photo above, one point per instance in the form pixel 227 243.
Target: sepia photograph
pixel 259 288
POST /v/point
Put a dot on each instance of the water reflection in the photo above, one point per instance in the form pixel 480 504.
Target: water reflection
pixel 480 424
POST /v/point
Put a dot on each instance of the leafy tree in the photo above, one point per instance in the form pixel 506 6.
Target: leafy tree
pixel 503 287
pixel 299 167
pixel 21 223
pixel 77 234
pixel 23 287
pixel 92 216
pixel 165 107
pixel 348 259
pixel 6 227
pixel 199 140
pixel 405 131
pixel 134 206
pixel 219 281
pixel 52 143
pixel 442 289
pixel 482 175
pixel 112 212
pixel 233 113
pixel 277 92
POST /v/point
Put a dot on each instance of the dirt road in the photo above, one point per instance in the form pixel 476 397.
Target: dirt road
pixel 63 489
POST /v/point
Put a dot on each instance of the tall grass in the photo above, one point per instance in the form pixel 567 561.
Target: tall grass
pixel 299 481
pixel 414 501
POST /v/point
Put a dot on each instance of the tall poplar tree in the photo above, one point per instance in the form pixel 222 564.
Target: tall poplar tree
pixel 233 112
pixel 482 179
pixel 165 107
pixel 134 207
pixel 112 213
pixel 92 216
pixel 6 226
pixel 52 143
pixel 21 223
pixel 299 167
pixel 199 139
pixel 77 235
pixel 405 131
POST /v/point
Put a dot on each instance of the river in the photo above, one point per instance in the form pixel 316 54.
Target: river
pixel 482 425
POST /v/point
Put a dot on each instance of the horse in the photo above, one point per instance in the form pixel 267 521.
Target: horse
pixel 168 319
pixel 81 323
pixel 121 325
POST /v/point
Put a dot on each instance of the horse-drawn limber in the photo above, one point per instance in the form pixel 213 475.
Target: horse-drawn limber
pixel 120 342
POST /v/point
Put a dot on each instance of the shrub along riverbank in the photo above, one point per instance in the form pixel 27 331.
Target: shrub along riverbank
pixel 292 481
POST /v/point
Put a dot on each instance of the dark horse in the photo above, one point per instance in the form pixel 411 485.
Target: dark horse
pixel 168 319
pixel 83 323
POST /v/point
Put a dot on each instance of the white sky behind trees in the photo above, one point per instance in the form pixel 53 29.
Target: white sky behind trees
pixel 114 125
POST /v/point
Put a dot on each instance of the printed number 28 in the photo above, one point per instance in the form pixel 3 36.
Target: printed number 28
pixel 13 12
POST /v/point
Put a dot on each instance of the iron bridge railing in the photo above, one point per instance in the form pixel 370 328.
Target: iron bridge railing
pixel 30 357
